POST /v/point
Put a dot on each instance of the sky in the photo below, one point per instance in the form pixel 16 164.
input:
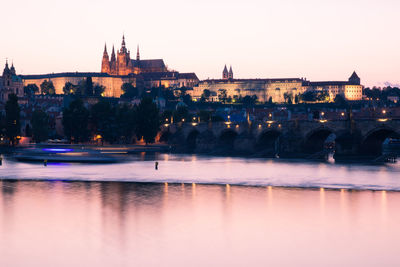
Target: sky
pixel 315 39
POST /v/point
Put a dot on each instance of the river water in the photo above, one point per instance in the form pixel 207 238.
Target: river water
pixel 199 211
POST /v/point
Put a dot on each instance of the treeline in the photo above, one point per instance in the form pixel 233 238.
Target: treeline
pixel 382 94
pixel 111 123
pixel 85 87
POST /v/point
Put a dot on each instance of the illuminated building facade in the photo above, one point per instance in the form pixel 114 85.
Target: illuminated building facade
pixel 275 90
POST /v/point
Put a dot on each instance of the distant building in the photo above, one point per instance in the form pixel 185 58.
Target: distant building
pixel 275 90
pixel 122 64
pixel 350 90
pixel 118 70
pixel 264 89
pixel 10 83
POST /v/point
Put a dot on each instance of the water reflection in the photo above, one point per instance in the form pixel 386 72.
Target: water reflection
pixel 125 224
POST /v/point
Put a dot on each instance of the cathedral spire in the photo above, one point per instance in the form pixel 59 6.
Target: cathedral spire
pixel 137 53
pixel 230 73
pixel 123 40
pixel 113 54
pixel 225 73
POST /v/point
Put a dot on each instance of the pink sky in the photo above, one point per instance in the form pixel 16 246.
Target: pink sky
pixel 319 40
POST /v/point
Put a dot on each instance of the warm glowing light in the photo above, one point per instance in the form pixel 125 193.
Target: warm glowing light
pixel 194 123
pixel 259 126
pixel 383 120
pixel 279 125
pixel 384 111
pixel 166 120
pixel 270 122
pixel 322 113
pixel 183 120
pixel 342 114
pixel 323 121
pixel 237 126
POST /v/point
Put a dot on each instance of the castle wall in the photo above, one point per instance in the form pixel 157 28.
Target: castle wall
pixel 112 84
pixel 263 89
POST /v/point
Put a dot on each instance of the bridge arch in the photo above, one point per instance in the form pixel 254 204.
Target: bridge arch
pixel 315 140
pixel 165 136
pixel 267 142
pixel 372 142
pixel 226 139
pixel 191 140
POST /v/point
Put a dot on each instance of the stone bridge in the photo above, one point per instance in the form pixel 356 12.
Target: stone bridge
pixel 284 138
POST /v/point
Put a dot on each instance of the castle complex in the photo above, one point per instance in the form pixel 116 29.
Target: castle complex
pixel 117 70
pixel 122 64
pixel 275 90
pixel 120 68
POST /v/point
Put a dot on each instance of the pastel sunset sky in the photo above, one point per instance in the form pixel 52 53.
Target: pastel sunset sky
pixel 319 40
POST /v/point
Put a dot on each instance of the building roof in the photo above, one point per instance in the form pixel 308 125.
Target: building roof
pixel 354 76
pixel 190 75
pixel 148 63
pixel 68 74
pixel 329 83
pixel 252 80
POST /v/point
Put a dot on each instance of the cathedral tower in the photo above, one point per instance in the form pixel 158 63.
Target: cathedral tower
pixel 225 73
pixel 123 59
pixel 105 63
pixel 137 53
pixel 113 62
pixel 230 74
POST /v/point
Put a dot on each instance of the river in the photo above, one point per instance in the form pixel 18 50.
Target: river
pixel 199 211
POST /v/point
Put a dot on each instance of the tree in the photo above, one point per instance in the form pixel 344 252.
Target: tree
pixel 103 120
pixel 187 99
pixel 70 89
pixel 125 122
pixel 28 130
pixel 13 125
pixel 222 96
pixel 47 88
pixel 340 101
pixel 88 91
pixel 180 113
pixel 129 90
pixel 249 101
pixel 31 89
pixel 98 90
pixel 147 120
pixel 75 121
pixel 40 126
pixel 296 99
pixel 206 93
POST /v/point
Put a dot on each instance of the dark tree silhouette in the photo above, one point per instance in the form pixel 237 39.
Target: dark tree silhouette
pixel 75 121
pixel 147 120
pixel 40 126
pixel 13 125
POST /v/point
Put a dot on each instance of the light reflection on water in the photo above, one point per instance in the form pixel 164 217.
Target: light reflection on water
pixel 54 223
